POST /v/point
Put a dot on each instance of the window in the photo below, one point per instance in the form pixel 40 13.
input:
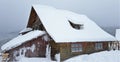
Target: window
pixel 76 47
pixel 98 46
pixel 76 26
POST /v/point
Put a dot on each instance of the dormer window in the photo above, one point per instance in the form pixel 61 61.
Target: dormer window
pixel 76 26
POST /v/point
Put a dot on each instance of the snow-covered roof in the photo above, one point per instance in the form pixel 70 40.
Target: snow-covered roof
pixel 21 39
pixel 117 35
pixel 25 30
pixel 56 23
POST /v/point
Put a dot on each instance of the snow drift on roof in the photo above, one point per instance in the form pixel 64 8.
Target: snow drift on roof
pixel 21 39
pixel 56 23
pixel 118 34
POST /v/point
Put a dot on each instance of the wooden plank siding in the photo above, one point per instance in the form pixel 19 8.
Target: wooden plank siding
pixel 88 48
pixel 39 51
pixel 32 18
pixel 65 51
pixel 54 49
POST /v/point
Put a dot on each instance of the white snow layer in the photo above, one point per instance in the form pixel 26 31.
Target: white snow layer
pixel 105 56
pixel 21 39
pixel 46 37
pixel 57 57
pixel 48 52
pixel 35 60
pixel 56 23
pixel 25 30
pixel 23 50
pixel 118 34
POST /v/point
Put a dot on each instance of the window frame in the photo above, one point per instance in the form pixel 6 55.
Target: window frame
pixel 76 47
pixel 98 46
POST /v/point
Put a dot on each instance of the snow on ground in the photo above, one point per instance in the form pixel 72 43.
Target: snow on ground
pixel 105 56
pixel 57 56
pixel 35 60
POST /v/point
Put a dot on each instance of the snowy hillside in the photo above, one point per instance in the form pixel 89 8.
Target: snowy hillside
pixel 105 56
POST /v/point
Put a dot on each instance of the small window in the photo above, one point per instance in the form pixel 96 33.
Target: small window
pixel 76 26
pixel 76 47
pixel 98 46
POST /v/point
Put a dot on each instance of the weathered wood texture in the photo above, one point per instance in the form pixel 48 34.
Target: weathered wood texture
pixel 88 47
pixel 54 49
pixel 28 49
pixel 32 17
pixel 34 21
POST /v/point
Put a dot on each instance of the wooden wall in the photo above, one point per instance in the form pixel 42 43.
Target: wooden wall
pixel 65 51
pixel 55 48
pixel 32 18
pixel 88 47
pixel 63 48
pixel 39 51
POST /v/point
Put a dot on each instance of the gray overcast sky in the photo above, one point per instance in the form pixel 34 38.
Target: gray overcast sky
pixel 14 13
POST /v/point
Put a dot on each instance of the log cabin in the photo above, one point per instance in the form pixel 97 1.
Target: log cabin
pixel 63 32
